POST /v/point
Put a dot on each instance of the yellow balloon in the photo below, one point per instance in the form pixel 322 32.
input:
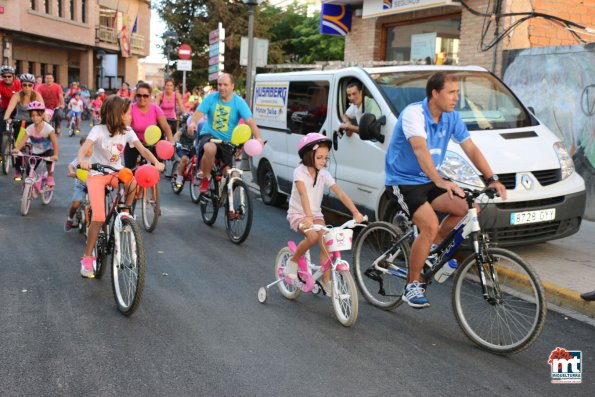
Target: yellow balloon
pixel 82 174
pixel 152 135
pixel 22 133
pixel 241 134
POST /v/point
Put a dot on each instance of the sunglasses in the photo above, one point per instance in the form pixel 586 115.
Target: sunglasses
pixel 7 76
pixel 26 85
pixel 142 95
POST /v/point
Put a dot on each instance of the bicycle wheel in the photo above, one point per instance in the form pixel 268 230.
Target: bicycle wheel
pixel 101 251
pixel 238 212
pixel 381 289
pixel 26 198
pixel 344 298
pixel 6 155
pixel 174 175
pixel 513 315
pixel 128 266
pixel 150 208
pixel 288 290
pixel 209 206
pixel 194 186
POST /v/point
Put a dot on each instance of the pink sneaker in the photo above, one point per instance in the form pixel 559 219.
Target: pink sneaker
pixel 50 181
pixel 87 267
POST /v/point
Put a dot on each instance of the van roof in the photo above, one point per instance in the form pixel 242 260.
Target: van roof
pixel 372 70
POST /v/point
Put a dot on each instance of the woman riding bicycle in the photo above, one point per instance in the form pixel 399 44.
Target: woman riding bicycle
pixel 144 113
pixel 309 181
pixel 107 141
pixel 167 101
pixel 20 101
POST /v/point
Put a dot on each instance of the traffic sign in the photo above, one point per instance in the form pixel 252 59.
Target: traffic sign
pixel 184 65
pixel 185 51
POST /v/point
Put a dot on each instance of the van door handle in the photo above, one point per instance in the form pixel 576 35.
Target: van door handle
pixel 335 140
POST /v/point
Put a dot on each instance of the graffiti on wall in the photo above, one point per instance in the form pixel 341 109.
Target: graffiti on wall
pixel 559 83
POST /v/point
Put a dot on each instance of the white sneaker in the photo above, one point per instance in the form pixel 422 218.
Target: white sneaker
pixel 179 180
pixel 291 270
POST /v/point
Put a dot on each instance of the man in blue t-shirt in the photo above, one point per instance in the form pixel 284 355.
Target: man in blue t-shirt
pixel 414 155
pixel 223 110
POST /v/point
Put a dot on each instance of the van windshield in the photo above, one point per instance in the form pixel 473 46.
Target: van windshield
pixel 484 103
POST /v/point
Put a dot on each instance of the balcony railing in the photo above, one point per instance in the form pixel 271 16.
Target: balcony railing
pixel 137 42
pixel 107 35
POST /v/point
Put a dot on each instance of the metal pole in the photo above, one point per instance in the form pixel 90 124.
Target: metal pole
pixel 250 71
pixel 183 83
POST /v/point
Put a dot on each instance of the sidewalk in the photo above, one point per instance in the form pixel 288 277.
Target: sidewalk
pixel 566 268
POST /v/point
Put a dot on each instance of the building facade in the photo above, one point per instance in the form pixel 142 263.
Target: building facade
pixel 94 42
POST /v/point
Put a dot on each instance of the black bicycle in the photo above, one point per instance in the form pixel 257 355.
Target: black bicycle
pixel 231 193
pixel 121 238
pixel 497 298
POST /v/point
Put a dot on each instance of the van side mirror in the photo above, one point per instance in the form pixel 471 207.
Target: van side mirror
pixel 369 127
pixel 531 109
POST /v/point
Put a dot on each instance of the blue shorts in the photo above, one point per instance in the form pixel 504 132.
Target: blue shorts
pixel 78 191
pixel 186 151
pixel 73 113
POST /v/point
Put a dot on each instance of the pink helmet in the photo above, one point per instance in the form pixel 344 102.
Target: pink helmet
pixel 311 142
pixel 36 105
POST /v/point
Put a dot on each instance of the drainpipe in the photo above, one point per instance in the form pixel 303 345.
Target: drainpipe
pixel 497 7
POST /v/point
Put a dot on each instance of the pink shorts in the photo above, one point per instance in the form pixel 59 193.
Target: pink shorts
pixel 96 187
pixel 296 219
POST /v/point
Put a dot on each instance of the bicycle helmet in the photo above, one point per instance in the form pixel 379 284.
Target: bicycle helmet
pixel 312 141
pixel 7 69
pixel 27 78
pixel 36 105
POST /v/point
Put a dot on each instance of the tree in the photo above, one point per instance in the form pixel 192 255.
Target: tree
pixel 293 35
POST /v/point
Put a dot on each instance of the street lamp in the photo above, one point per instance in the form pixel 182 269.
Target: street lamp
pixel 252 4
pixel 167 38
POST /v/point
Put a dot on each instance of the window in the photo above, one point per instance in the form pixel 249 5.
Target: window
pixel 60 8
pixel 369 104
pixel 307 106
pixel 43 69
pixel 46 6
pixel 436 41
pixel 107 17
pixel 84 11
pixel 56 72
pixel 71 9
pixel 32 4
pixel 18 67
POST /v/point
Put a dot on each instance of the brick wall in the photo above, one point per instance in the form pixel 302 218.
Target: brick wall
pixel 363 42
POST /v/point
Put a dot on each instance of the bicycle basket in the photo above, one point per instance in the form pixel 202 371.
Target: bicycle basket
pixel 338 239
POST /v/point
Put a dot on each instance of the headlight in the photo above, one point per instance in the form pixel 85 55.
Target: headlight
pixel 566 163
pixel 459 170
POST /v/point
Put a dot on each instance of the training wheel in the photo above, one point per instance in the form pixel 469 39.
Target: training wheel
pixel 262 294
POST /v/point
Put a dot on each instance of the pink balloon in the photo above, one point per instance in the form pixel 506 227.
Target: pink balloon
pixel 253 147
pixel 165 150
pixel 146 175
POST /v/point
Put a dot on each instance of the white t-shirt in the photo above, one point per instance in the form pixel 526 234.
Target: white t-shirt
pixel 315 193
pixel 370 106
pixel 109 150
pixel 76 105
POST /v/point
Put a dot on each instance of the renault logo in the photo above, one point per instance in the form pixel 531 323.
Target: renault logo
pixel 527 182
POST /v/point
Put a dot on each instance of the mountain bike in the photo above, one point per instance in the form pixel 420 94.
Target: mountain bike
pixel 189 176
pixel 7 146
pixel 343 293
pixel 231 193
pixel 497 298
pixel 35 183
pixel 121 238
pixel 150 203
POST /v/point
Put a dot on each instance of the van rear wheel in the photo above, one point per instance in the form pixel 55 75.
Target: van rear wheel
pixel 268 186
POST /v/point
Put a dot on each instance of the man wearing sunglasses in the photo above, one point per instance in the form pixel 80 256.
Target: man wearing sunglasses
pixel 8 87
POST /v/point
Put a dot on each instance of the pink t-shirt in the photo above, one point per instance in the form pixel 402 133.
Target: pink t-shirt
pixel 315 193
pixel 140 120
pixel 168 105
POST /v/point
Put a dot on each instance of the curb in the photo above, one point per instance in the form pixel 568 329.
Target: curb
pixel 568 299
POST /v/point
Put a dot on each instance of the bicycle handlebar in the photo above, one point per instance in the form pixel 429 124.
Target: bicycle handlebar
pixel 21 154
pixel 100 168
pixel 350 224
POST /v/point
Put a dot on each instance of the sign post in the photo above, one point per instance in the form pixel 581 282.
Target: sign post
pixel 185 63
pixel 216 52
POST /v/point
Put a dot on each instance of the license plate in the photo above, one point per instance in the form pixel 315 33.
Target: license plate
pixel 519 218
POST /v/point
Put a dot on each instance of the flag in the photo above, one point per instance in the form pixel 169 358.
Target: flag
pixel 135 26
pixel 124 40
pixel 116 15
pixel 335 19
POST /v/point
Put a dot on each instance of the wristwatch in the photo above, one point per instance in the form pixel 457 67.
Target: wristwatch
pixel 493 178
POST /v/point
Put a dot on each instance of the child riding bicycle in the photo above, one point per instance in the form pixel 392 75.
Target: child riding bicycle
pixel 76 107
pixel 42 137
pixel 185 149
pixel 107 140
pixel 79 189
pixel 309 181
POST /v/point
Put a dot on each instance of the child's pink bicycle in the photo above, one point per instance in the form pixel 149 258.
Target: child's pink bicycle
pixel 344 293
pixel 35 183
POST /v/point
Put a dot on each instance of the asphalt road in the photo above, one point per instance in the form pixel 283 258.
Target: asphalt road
pixel 200 330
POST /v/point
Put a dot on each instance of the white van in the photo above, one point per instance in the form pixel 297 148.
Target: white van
pixel 546 197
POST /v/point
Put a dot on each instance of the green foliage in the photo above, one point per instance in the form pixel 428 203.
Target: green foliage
pixel 293 36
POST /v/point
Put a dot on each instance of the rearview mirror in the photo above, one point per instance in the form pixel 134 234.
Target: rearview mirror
pixel 369 127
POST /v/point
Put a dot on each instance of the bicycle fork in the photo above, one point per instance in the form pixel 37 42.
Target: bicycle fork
pixel 482 257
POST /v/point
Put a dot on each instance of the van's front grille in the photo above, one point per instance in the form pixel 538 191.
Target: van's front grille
pixel 532 204
pixel 548 177
pixel 521 234
pixel 508 180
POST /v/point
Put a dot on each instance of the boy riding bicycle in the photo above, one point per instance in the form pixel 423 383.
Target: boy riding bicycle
pixel 414 155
